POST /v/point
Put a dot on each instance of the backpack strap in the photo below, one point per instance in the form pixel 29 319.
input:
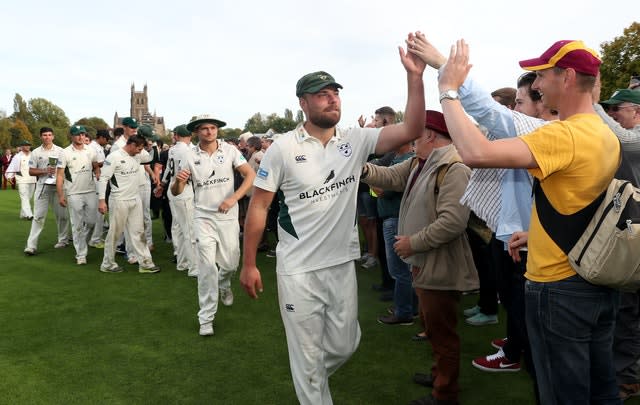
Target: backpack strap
pixel 564 230
pixel 441 171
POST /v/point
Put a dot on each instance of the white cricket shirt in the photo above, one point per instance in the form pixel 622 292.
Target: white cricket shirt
pixel 317 224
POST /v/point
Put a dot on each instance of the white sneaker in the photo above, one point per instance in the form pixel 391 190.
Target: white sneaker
pixel 29 251
pixel 81 260
pixel 226 296
pixel 369 263
pixel 61 245
pixel 206 329
pixel 132 260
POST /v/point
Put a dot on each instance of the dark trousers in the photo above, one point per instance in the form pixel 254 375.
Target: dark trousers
pixel 440 314
pixel 488 299
pixel 510 282
pixel 626 339
pixel 167 218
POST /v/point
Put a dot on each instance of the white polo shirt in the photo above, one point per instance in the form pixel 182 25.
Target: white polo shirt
pixel 177 154
pixel 19 169
pixel 121 171
pixel 39 159
pixel 317 224
pixel 98 149
pixel 212 179
pixel 78 169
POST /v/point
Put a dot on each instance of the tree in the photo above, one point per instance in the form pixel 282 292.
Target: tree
pixel 43 110
pixel 5 134
pixel 20 110
pixel 93 124
pixel 620 60
pixel 19 132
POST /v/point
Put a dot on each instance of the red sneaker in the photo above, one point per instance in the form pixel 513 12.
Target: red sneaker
pixel 496 363
pixel 499 343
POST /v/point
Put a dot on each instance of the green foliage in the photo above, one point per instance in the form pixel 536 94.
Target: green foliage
pixel 620 60
pixel 260 124
pixel 93 124
pixel 230 132
pixel 43 110
pixel 19 132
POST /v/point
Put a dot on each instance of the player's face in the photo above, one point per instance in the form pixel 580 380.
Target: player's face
pixel 128 131
pixel 47 138
pixel 77 140
pixel 207 132
pixel 323 108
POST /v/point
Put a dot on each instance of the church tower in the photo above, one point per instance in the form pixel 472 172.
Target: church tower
pixel 139 102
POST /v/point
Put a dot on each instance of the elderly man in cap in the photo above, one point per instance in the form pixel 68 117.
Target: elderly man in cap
pixel 76 188
pixel 19 169
pixel 316 169
pixel 570 321
pixel 210 168
pixel 182 235
pixel 434 242
pixel 42 164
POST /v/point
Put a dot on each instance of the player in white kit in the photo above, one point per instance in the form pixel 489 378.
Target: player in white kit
pixel 42 163
pixel 317 168
pixel 77 189
pixel 19 170
pixel 210 166
pixel 182 234
pixel 120 170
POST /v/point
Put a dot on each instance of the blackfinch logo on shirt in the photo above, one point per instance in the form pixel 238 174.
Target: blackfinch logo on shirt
pixel 330 177
pixel 329 189
pixel 289 308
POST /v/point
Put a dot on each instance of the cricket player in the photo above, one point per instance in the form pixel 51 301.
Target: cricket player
pixel 77 189
pixel 42 164
pixel 121 171
pixel 317 168
pixel 210 167
pixel 181 205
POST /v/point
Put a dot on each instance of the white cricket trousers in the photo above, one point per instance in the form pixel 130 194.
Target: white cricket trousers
pixel 46 195
pixel 82 211
pixel 182 234
pixel 98 229
pixel 127 213
pixel 319 310
pixel 26 190
pixel 217 244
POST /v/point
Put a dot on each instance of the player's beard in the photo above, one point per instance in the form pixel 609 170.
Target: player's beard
pixel 325 120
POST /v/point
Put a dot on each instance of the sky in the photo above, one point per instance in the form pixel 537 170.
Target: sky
pixel 237 58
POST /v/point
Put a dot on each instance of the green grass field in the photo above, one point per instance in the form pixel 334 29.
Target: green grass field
pixel 73 335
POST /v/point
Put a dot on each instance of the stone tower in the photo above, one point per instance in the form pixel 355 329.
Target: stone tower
pixel 139 103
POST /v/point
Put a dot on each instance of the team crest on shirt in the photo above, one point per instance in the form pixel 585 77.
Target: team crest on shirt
pixel 345 149
pixel 220 159
pixel 197 163
pixel 122 161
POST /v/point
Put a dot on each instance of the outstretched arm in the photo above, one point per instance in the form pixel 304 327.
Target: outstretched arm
pixel 475 149
pixel 393 136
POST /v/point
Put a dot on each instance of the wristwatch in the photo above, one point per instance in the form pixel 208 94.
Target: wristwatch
pixel 449 95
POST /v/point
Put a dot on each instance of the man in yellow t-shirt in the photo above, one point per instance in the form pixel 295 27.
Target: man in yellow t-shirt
pixel 570 321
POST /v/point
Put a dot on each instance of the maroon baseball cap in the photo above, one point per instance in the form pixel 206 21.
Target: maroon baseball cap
pixel 566 54
pixel 435 120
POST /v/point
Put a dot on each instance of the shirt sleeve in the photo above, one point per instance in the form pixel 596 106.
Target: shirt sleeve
pixel 270 174
pixel 105 175
pixel 552 146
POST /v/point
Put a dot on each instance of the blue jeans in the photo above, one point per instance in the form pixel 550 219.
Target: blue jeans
pixel 403 296
pixel 570 324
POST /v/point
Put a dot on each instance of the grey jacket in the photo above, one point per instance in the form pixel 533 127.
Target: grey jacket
pixel 436 225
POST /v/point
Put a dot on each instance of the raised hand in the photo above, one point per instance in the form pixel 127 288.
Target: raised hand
pixel 457 68
pixel 426 51
pixel 412 63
